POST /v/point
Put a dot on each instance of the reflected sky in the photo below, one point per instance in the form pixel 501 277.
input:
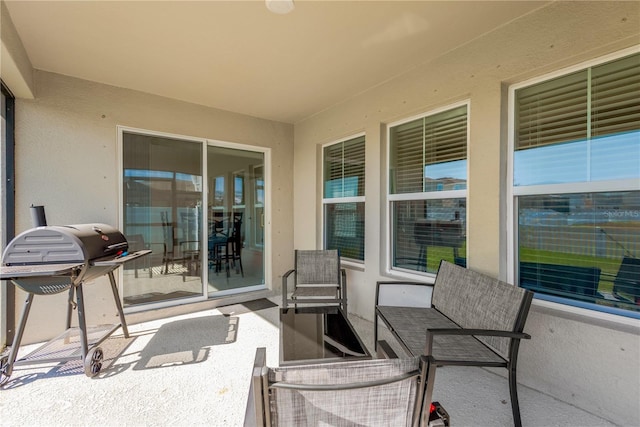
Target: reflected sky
pixel 599 159
pixel 341 187
pixel 145 173
pixel 455 170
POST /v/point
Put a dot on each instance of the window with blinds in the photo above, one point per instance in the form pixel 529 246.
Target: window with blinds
pixel 343 197
pixel 344 169
pixel 427 190
pixel 429 154
pixel 578 132
pixel 580 127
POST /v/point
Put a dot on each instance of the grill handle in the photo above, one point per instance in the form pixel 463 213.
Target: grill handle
pixel 115 246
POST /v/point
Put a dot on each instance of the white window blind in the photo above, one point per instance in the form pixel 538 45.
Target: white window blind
pixel 344 169
pixel 581 127
pixel 615 97
pixel 433 140
pixel 598 101
pixel 552 112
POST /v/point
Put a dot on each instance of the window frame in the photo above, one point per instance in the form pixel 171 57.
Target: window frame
pixel 514 192
pixel 339 200
pixel 7 209
pixel 389 269
pixel 205 144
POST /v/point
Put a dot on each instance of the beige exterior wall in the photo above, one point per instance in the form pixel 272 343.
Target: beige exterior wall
pixel 66 160
pixel 568 356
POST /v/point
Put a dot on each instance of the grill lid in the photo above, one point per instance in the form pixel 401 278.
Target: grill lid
pixel 79 243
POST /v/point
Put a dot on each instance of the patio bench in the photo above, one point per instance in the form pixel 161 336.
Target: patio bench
pixel 464 319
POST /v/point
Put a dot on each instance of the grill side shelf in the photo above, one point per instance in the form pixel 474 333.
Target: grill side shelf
pixel 36 270
pixel 121 260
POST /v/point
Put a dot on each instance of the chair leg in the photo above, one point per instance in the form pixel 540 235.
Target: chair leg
pixel 513 391
pixel 343 291
pixel 240 263
pixel 284 292
pixel 428 389
pixel 344 301
pixel 375 331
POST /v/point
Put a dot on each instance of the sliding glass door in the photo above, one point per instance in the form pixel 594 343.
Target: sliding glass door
pixel 235 219
pixel 199 208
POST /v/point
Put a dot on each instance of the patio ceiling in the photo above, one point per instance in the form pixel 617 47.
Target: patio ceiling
pixel 238 56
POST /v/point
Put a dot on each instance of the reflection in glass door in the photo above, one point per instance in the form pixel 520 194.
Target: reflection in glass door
pixel 166 183
pixel 163 199
pixel 235 252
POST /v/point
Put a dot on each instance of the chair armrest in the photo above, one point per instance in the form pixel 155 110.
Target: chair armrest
pixel 345 386
pixel 484 332
pixel 285 279
pixel 403 294
pixel 254 413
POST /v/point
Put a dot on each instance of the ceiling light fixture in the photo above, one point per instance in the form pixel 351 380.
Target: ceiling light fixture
pixel 281 7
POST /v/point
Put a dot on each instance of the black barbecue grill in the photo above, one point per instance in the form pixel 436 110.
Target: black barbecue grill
pixel 52 259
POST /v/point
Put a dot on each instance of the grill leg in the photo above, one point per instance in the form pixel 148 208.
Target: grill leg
pixel 82 324
pixel 17 339
pixel 116 297
pixel 70 306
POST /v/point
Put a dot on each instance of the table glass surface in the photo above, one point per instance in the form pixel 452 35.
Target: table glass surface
pixel 318 334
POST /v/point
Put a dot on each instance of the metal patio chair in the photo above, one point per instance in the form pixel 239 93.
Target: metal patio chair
pixel 317 279
pixel 378 392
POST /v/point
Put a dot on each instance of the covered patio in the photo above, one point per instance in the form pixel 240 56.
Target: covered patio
pixel 194 369
pixel 223 137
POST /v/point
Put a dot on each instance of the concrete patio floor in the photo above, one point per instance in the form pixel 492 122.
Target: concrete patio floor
pixel 194 369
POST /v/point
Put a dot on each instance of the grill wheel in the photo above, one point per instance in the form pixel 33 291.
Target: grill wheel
pixel 4 367
pixel 93 362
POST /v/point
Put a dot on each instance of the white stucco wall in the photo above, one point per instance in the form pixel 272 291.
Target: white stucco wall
pixel 570 358
pixel 66 160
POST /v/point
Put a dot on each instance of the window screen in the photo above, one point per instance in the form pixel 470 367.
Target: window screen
pixel 428 182
pixel 580 133
pixel 343 192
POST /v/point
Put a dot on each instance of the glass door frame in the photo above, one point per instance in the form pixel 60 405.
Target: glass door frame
pixel 205 143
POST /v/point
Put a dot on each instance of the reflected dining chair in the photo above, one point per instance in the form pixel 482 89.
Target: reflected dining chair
pixel 627 280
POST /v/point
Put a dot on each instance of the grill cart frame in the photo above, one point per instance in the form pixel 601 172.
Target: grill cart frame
pixel 75 343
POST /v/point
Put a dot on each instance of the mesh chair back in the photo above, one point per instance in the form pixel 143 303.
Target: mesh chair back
pixel 394 404
pixel 317 267
pixel 453 281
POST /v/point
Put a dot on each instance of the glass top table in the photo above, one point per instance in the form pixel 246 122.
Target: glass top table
pixel 318 335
